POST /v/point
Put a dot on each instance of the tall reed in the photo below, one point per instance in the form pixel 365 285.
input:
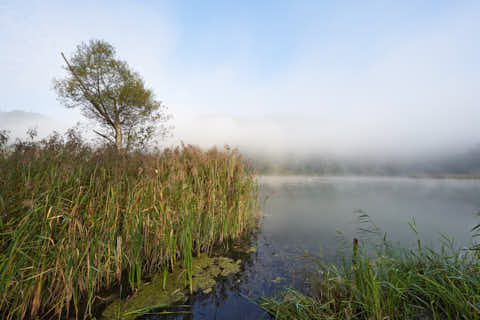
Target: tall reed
pixel 75 220
pixel 394 283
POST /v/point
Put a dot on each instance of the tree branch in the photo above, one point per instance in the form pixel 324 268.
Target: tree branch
pixel 104 136
pixel 87 93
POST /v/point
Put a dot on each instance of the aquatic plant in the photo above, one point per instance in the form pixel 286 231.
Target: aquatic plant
pixel 77 220
pixel 393 283
pixel 155 295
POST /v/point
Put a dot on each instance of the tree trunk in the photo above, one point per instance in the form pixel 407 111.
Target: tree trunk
pixel 118 137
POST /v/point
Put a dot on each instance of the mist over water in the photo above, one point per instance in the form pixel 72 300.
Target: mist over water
pixel 310 210
pixel 271 150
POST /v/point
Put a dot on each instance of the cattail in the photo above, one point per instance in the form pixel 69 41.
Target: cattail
pixel 118 258
pixel 355 251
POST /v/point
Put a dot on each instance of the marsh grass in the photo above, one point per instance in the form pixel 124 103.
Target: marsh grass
pixel 389 283
pixel 76 221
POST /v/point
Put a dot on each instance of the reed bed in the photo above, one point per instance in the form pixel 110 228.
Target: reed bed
pixel 76 221
pixel 394 283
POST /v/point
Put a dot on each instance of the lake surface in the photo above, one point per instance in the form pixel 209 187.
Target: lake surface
pixel 314 215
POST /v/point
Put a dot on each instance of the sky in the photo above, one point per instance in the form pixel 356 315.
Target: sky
pixel 350 78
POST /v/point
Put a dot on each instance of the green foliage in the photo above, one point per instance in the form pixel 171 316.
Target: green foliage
pixel 75 221
pixel 395 284
pixel 110 93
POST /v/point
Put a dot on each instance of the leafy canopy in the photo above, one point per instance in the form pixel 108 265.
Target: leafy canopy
pixel 110 93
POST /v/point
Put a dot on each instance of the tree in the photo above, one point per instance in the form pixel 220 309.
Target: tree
pixel 110 93
pixel 4 137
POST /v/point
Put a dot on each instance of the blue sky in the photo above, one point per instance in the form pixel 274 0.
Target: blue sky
pixel 346 77
pixel 269 35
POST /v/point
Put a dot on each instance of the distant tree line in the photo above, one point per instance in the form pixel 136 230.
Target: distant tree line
pixel 462 163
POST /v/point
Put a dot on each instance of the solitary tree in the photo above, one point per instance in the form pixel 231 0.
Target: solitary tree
pixel 110 93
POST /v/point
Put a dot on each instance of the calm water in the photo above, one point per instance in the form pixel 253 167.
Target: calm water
pixel 315 214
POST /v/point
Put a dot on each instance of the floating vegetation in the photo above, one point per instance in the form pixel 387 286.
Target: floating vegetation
pixel 163 291
pixel 76 221
pixel 252 250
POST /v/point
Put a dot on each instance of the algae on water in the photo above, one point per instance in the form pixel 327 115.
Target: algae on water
pixel 152 295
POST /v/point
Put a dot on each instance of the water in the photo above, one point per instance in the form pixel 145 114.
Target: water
pixel 314 215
